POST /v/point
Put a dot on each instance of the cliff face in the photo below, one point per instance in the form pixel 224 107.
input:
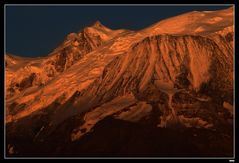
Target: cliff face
pixel 165 71
pixel 166 58
pixel 158 77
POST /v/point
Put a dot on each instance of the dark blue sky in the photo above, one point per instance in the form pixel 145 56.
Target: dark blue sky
pixel 37 30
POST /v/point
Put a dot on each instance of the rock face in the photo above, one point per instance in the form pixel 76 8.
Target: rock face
pixel 164 80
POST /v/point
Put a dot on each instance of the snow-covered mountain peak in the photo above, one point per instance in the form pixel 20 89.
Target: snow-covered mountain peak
pixel 175 74
pixel 100 27
pixel 98 24
pixel 195 22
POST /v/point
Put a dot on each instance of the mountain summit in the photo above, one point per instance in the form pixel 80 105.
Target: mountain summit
pixel 106 92
pixel 98 24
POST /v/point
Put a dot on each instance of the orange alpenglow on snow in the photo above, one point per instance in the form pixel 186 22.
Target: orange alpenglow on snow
pixel 174 77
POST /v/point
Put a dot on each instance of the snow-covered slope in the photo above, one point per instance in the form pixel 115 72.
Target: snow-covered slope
pixel 180 68
pixel 24 73
pixel 195 22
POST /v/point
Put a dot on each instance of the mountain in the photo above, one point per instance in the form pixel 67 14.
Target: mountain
pixel 38 71
pixel 195 22
pixel 174 78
